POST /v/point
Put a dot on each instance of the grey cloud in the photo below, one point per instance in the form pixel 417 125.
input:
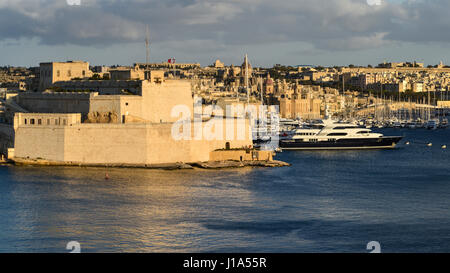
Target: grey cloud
pixel 326 24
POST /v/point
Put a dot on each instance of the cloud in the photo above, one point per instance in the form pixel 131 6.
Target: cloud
pixel 205 24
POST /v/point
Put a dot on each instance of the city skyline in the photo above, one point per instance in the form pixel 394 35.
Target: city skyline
pixel 328 33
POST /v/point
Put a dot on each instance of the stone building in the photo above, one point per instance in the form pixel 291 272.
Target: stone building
pixel 62 71
pixel 127 73
pixel 268 85
pixel 219 64
pixel 299 105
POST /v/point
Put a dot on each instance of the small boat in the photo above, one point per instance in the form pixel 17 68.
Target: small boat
pixel 396 124
pixel 411 125
pixel 432 124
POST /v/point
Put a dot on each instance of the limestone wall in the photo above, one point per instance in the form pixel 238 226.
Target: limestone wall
pixel 45 142
pixel 116 143
pixel 159 99
pixel 127 105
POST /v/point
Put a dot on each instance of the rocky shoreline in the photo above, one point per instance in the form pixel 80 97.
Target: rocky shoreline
pixel 171 166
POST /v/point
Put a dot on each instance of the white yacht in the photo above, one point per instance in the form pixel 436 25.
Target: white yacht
pixel 329 134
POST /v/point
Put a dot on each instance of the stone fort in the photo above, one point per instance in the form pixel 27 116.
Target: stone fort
pixel 104 128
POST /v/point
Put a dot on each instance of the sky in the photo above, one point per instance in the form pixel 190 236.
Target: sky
pixel 289 32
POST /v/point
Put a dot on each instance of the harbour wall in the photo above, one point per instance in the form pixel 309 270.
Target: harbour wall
pixel 147 143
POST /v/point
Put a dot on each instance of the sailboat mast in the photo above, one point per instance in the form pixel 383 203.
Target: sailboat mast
pixel 246 78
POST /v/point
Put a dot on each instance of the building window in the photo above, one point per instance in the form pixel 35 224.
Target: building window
pixel 64 122
pixel 32 121
pixel 48 121
pixel 84 73
pixel 39 121
pixel 26 121
pixel 69 73
pixel 56 122
pixel 58 74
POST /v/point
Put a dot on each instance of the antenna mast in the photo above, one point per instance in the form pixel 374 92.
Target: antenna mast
pixel 261 89
pixel 147 48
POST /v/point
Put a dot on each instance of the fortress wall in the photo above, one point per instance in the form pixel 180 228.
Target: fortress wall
pixel 159 99
pixel 46 142
pixel 122 105
pixel 163 148
pixel 103 104
pixel 115 143
pixel 106 143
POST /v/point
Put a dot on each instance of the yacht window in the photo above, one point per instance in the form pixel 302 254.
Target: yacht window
pixel 337 134
pixel 343 127
pixel 363 132
pixel 317 127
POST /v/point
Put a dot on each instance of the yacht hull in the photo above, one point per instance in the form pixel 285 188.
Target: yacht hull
pixel 387 142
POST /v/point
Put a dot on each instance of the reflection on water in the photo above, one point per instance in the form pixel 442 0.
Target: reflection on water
pixel 326 202
pixel 135 210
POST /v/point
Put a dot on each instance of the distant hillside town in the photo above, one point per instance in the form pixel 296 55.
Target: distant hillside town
pixel 299 91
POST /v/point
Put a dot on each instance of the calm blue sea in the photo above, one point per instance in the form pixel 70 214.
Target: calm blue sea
pixel 326 202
